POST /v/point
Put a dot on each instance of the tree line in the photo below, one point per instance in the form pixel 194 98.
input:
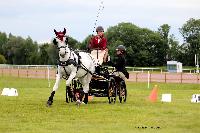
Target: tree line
pixel 144 46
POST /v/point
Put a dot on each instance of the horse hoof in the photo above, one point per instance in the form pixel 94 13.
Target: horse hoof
pixel 49 103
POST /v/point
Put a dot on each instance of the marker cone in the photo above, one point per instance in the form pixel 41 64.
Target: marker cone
pixel 154 94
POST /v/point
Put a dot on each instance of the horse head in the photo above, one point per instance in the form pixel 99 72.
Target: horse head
pixel 61 41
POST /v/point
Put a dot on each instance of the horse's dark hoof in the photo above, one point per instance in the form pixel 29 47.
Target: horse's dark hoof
pixel 49 103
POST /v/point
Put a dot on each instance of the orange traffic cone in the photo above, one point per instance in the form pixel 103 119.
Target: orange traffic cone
pixel 154 94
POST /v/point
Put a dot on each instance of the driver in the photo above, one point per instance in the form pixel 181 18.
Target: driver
pixel 119 63
pixel 98 46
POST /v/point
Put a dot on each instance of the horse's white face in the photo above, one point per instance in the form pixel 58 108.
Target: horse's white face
pixel 64 51
pixel 61 42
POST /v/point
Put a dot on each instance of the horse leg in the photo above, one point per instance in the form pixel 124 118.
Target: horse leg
pixel 85 82
pixel 68 94
pixel 55 87
pixel 50 100
pixel 85 90
pixel 85 98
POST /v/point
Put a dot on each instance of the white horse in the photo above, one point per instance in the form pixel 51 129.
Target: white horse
pixel 72 65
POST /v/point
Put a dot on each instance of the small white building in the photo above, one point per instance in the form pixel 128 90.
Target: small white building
pixel 174 66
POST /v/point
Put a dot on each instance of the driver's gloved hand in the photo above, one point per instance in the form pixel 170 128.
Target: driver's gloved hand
pixel 97 69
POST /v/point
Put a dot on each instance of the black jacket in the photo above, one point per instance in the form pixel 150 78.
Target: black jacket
pixel 119 63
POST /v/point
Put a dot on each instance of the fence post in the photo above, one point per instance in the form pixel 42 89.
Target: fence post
pixel 27 72
pixel 45 72
pixel 18 71
pixel 150 77
pixel 181 78
pixel 136 77
pixel 36 73
pixel 198 78
pixel 48 74
pixel 165 78
pixel 2 72
pixel 9 71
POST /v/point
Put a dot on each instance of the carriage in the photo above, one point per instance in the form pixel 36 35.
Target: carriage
pixel 103 84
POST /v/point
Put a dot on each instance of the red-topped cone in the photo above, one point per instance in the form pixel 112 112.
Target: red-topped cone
pixel 154 94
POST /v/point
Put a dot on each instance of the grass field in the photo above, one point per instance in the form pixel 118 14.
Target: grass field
pixel 28 113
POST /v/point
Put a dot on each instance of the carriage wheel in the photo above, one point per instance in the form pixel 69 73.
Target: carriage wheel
pixel 122 92
pixel 112 91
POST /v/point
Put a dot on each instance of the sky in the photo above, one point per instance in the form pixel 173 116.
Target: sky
pixel 38 18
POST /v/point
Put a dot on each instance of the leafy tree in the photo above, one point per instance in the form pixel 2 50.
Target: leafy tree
pixel 43 54
pixel 3 40
pixel 184 54
pixel 73 43
pixel 2 59
pixel 53 54
pixel 31 49
pixel 13 50
pixel 85 42
pixel 174 49
pixel 20 51
pixel 144 47
pixel 191 34
pixel 163 30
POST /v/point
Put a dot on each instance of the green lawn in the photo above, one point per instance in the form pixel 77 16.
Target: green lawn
pixel 28 113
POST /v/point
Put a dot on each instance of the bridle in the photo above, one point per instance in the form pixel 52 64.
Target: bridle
pixel 61 39
pixel 64 39
pixel 64 48
pixel 71 59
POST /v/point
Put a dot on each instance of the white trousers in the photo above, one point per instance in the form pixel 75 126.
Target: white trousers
pixel 98 56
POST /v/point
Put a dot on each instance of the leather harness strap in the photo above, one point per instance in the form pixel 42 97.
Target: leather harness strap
pixel 78 64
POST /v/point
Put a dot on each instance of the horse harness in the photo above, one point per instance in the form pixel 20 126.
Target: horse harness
pixel 73 61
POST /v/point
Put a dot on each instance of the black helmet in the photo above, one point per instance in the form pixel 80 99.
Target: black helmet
pixel 121 48
pixel 99 28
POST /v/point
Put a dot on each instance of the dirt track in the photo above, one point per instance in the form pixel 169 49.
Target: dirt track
pixel 135 77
